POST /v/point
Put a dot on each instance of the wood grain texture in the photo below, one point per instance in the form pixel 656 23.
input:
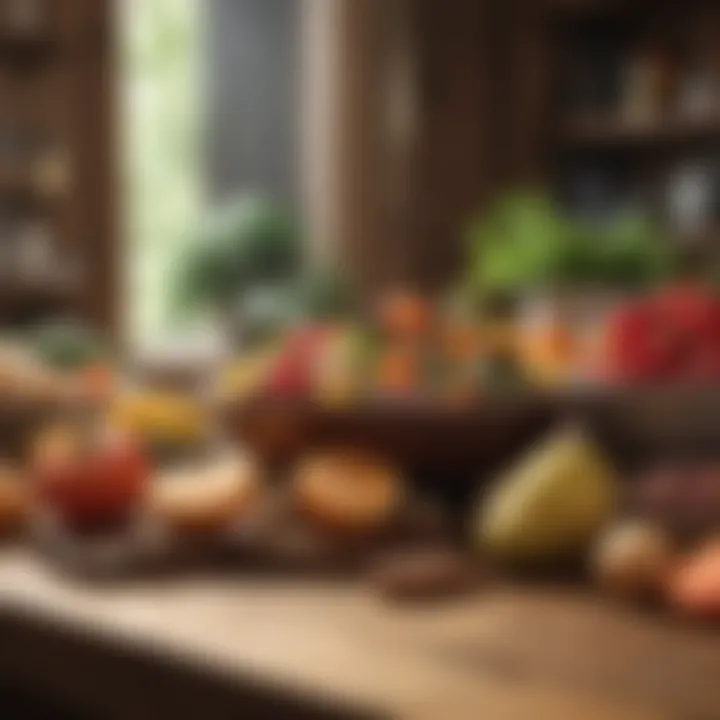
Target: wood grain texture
pixel 513 653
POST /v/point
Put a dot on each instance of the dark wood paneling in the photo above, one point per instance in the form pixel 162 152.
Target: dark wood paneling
pixel 458 156
pixel 96 147
pixel 361 231
pixel 527 63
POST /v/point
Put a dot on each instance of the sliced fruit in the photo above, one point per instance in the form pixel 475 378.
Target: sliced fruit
pixel 348 491
pixel 206 498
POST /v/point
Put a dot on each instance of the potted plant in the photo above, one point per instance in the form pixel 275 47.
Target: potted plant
pixel 243 245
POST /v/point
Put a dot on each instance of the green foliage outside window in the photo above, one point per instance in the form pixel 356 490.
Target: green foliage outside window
pixel 161 140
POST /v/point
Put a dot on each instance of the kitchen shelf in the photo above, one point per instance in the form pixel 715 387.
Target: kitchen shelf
pixel 22 188
pixel 16 185
pixel 599 133
pixel 601 7
pixel 583 5
pixel 19 294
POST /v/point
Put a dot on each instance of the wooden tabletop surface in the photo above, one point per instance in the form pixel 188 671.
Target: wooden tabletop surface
pixel 505 653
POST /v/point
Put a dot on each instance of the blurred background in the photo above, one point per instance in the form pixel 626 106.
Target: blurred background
pixel 384 128
pixel 180 179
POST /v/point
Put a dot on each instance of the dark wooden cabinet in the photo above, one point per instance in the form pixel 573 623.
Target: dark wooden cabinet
pixel 58 149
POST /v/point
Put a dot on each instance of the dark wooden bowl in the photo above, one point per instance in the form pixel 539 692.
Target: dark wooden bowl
pixel 634 426
pixel 435 446
pixel 452 451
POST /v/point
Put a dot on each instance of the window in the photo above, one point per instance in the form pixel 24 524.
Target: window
pixel 209 104
pixel 163 170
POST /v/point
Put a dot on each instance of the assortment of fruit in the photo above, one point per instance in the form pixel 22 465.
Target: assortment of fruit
pixel 96 482
pixel 562 502
pixel 406 350
pixel 648 538
pixel 406 347
pixel 409 349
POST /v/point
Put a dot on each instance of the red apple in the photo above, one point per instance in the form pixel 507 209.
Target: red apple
pixel 93 484
pixel 294 373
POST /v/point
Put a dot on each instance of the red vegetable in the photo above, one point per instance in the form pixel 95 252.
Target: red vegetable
pixel 671 337
pixel 640 346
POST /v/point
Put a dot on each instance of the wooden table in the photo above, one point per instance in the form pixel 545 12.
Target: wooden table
pixel 206 647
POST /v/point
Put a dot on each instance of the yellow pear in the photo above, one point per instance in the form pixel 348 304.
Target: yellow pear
pixel 551 505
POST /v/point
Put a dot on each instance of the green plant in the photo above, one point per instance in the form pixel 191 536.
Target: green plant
pixel 635 253
pixel 316 294
pixel 267 312
pixel 525 241
pixel 243 244
pixel 322 293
